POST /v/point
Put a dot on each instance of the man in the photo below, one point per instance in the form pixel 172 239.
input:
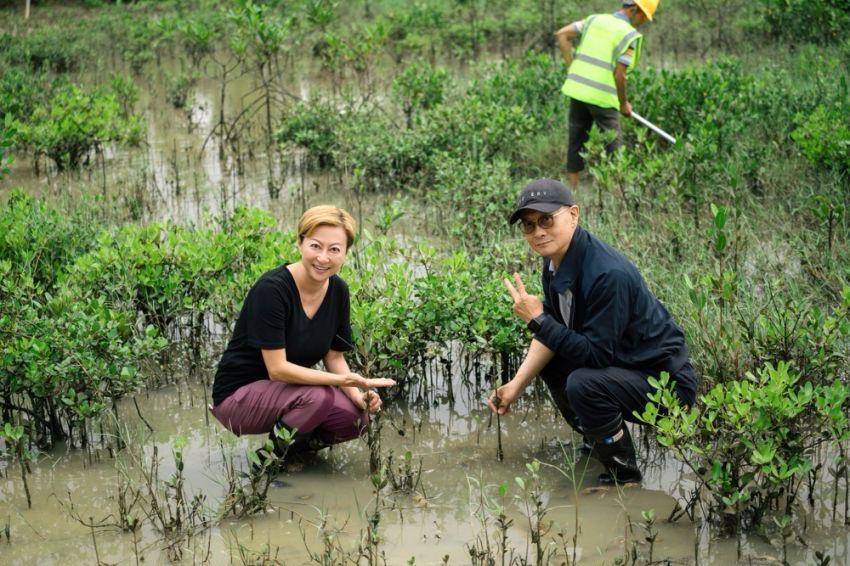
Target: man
pixel 596 82
pixel 598 333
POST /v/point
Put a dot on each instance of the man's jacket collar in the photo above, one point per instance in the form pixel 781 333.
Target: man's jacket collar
pixel 570 269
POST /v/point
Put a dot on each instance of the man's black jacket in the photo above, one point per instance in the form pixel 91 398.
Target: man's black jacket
pixel 616 320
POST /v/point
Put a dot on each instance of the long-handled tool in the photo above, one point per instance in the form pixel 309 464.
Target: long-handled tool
pixel 653 127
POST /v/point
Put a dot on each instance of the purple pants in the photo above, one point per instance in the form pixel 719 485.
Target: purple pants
pixel 324 410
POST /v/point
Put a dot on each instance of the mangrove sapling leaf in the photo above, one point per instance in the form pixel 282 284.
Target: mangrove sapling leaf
pixel 534 501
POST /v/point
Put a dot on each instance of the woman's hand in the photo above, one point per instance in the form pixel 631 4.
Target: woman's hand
pixel 365 400
pixel 355 380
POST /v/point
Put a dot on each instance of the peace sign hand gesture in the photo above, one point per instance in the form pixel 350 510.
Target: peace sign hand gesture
pixel 525 306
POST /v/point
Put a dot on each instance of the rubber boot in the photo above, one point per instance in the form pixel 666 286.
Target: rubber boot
pixel 617 454
pixel 586 446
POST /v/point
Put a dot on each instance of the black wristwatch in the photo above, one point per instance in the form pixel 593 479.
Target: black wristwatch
pixel 536 323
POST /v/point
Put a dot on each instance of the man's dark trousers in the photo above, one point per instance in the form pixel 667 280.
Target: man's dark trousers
pixel 595 401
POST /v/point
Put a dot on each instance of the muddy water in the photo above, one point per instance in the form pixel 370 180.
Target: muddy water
pixel 457 449
pixel 179 172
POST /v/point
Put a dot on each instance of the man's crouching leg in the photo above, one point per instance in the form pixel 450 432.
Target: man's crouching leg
pixel 600 398
pixel 556 382
pixel 613 447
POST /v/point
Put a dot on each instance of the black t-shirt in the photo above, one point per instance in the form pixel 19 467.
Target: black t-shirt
pixel 272 318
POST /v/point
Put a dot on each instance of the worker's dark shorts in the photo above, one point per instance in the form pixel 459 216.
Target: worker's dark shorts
pixel 582 117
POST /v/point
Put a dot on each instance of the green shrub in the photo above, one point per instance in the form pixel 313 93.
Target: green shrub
pixel 381 156
pixel 64 360
pixel 174 276
pixel 531 82
pixel 197 35
pixel 752 442
pixel 824 137
pixel 126 92
pixel 178 87
pixel 419 87
pixel 470 201
pixel 477 129
pixel 20 92
pixel 313 126
pixel 492 120
pixel 72 123
pixel 41 241
pixel 7 134
pixel 57 49
pixel 816 21
pixel 406 314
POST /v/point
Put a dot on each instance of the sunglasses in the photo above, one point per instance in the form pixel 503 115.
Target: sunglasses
pixel 544 221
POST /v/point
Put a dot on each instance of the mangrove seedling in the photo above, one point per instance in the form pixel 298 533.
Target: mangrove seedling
pixel 500 454
pixel 17 440
pixel 373 438
pixel 650 530
pixel 534 502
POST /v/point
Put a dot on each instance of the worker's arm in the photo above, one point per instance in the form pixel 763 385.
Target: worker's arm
pixel 565 37
pixel 282 370
pixel 535 360
pixel 620 81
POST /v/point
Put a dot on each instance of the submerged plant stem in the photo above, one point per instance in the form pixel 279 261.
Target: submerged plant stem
pixel 500 454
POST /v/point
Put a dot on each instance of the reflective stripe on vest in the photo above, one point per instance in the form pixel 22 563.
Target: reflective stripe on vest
pixel 591 75
pixel 594 61
pixel 591 83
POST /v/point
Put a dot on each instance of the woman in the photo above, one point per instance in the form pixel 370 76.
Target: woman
pixel 293 317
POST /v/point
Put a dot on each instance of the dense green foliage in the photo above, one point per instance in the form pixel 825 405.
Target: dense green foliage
pixel 824 136
pixel 66 122
pixel 72 123
pixel 50 48
pixel 65 358
pixel 818 21
pixel 751 443
pixel 7 134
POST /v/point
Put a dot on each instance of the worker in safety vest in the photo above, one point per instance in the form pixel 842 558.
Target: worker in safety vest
pixel 609 46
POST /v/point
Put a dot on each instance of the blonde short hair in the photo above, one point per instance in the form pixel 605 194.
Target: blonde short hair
pixel 326 215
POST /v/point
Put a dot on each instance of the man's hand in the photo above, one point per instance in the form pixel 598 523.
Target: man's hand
pixel 500 401
pixel 525 306
pixel 626 108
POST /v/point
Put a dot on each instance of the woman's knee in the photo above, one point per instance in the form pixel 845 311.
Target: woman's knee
pixel 321 397
pixel 347 421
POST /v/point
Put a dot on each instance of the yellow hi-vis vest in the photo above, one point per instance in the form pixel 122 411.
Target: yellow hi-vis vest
pixel 604 39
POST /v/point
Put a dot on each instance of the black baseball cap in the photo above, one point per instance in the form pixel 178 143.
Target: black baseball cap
pixel 542 195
